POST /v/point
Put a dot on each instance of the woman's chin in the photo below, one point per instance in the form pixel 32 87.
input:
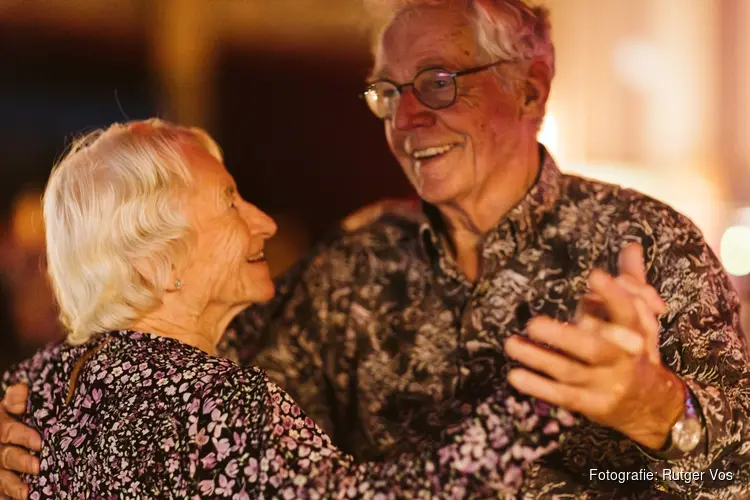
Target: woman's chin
pixel 265 293
pixel 260 291
pixel 259 286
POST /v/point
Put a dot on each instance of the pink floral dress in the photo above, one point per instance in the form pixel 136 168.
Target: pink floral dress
pixel 150 417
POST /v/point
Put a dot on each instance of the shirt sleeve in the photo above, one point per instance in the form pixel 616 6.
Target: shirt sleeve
pixel 29 370
pixel 484 455
pixel 702 342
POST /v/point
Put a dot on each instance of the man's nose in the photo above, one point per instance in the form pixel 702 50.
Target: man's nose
pixel 411 113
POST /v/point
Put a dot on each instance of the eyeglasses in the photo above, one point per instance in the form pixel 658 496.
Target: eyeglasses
pixel 434 87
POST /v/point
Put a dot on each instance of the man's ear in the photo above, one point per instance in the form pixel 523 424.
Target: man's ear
pixel 535 90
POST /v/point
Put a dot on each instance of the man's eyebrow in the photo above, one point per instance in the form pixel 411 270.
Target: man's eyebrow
pixel 432 62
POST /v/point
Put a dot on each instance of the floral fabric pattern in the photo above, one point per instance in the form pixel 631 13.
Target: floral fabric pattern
pixel 380 338
pixel 153 418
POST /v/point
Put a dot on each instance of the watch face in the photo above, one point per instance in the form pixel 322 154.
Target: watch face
pixel 686 434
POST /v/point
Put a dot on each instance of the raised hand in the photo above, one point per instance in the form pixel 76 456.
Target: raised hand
pixel 606 366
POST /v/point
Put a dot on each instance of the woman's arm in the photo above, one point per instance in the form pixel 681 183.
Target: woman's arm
pixel 276 450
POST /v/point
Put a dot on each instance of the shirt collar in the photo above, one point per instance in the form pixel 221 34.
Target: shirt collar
pixel 523 221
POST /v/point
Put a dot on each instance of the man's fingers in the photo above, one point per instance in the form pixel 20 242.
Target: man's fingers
pixel 365 216
pixel 593 404
pixel 652 326
pixel 15 399
pixel 540 359
pixel 584 345
pixel 551 391
pixel 618 302
pixel 13 432
pixel 645 292
pixel 17 459
pixel 591 304
pixel 627 340
pixel 12 486
pixel 630 263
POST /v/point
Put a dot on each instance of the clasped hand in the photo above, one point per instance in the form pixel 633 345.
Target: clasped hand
pixel 606 365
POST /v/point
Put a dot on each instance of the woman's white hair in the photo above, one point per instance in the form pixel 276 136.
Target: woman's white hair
pixel 506 29
pixel 112 204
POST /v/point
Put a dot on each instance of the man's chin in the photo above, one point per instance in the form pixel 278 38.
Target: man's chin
pixel 437 193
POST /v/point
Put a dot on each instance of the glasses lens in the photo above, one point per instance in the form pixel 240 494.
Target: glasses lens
pixel 382 97
pixel 436 88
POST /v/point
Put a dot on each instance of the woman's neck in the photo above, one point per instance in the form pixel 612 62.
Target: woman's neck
pixel 202 329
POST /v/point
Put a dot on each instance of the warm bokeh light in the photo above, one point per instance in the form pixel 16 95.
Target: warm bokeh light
pixel 27 221
pixel 549 135
pixel 638 64
pixel 735 250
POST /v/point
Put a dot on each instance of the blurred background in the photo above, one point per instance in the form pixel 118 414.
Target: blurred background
pixel 651 94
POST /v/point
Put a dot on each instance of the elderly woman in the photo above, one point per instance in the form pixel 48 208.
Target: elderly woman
pixel 151 252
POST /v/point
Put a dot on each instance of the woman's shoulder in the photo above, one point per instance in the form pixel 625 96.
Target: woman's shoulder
pixel 170 363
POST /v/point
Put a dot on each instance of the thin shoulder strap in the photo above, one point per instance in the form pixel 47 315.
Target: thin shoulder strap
pixel 79 366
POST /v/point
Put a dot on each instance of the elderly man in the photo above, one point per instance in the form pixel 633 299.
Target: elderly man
pixel 388 334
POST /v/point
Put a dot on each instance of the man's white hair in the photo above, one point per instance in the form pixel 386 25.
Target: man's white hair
pixel 505 29
pixel 111 204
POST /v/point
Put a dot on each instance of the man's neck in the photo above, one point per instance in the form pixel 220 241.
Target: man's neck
pixel 468 220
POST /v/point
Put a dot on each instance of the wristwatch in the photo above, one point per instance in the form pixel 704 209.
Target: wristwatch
pixel 686 434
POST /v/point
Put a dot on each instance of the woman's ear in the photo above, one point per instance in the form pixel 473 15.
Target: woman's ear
pixel 145 268
pixel 155 275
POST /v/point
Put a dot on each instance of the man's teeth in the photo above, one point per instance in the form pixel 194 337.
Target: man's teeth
pixel 261 256
pixel 429 152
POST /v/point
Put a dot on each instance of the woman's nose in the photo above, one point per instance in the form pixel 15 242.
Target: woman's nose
pixel 260 223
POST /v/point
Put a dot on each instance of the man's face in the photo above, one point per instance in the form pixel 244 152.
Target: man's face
pixel 448 154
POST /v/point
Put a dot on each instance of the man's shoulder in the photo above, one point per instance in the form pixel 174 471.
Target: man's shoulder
pixel 628 206
pixel 388 238
pixel 387 231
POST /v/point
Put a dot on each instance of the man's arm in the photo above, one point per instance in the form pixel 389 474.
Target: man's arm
pixel 702 342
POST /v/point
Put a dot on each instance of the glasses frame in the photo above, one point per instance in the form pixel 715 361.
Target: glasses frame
pixel 451 74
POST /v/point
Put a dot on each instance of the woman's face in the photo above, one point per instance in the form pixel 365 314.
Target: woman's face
pixel 225 263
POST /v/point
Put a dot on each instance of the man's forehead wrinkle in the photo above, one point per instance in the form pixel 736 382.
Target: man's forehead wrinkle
pixel 424 36
pixel 458 34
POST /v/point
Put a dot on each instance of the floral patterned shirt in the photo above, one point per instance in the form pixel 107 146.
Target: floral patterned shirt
pixel 150 417
pixel 382 340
